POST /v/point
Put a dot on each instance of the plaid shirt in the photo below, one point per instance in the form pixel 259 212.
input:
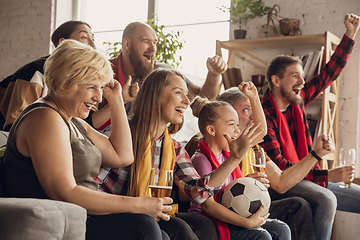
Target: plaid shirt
pixel 115 180
pixel 310 91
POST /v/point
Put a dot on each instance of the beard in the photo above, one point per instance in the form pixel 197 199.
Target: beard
pixel 293 98
pixel 141 68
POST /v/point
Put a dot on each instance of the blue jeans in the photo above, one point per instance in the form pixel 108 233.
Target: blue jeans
pixel 348 199
pixel 272 229
pixel 322 201
pixel 202 226
pixel 177 229
pixel 297 214
pixel 189 226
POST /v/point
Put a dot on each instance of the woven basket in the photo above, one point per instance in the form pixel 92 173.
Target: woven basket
pixel 290 26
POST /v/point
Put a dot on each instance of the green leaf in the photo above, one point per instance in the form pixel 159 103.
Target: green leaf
pixel 243 10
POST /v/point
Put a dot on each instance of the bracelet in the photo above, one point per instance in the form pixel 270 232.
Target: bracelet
pixel 315 155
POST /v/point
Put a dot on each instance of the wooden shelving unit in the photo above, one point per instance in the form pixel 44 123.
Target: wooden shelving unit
pixel 329 121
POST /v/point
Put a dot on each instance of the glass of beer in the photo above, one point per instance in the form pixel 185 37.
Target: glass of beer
pixel 346 158
pixel 161 182
pixel 258 160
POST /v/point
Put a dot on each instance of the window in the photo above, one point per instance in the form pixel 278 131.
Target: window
pixel 201 23
pixel 109 18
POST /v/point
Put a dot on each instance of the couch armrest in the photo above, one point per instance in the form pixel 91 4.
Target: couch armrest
pixel 28 218
pixel 3 138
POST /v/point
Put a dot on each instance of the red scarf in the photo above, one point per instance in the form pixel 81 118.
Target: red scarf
pixel 116 66
pixel 289 151
pixel 118 75
pixel 108 122
pixel 222 227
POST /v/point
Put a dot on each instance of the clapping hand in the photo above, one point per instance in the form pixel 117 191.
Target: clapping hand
pixel 247 139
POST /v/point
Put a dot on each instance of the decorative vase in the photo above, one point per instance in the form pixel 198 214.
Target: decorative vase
pixel 239 33
pixel 290 26
pixel 258 80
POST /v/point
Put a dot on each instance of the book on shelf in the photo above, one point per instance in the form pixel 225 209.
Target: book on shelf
pixel 321 60
pixel 304 59
pixel 307 63
pixel 315 65
pixel 232 77
pixel 226 79
pixel 312 63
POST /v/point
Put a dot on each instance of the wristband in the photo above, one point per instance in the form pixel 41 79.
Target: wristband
pixel 315 155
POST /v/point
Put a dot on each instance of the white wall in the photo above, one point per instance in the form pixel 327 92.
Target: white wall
pixel 349 124
pixel 25 27
pixel 317 16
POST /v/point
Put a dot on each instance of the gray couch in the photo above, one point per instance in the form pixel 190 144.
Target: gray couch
pixel 27 218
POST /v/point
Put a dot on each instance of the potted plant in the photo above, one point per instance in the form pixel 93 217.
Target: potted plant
pixel 243 10
pixel 167 45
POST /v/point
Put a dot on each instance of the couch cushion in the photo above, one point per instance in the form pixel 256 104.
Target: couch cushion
pixel 3 138
pixel 2 152
pixel 27 218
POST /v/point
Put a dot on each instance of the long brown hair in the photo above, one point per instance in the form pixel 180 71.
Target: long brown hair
pixel 145 120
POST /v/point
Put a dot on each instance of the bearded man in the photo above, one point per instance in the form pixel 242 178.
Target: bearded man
pixel 137 59
pixel 288 140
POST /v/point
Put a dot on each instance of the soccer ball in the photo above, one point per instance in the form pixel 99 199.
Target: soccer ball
pixel 245 196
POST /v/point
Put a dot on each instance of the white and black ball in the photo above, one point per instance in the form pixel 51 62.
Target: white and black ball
pixel 245 196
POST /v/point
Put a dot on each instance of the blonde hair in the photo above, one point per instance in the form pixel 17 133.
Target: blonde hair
pixel 206 111
pixel 73 63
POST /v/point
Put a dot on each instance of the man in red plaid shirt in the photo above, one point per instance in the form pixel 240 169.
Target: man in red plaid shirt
pixel 288 140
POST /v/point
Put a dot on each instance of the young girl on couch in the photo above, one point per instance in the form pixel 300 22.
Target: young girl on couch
pixel 218 119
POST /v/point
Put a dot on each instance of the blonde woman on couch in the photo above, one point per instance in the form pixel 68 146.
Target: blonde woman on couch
pixel 52 153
